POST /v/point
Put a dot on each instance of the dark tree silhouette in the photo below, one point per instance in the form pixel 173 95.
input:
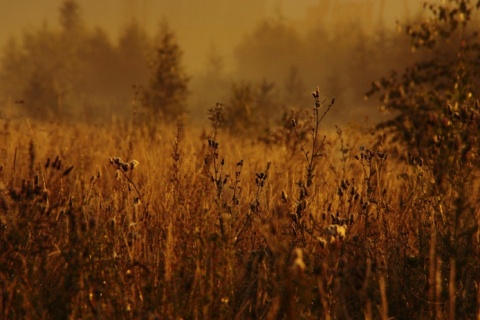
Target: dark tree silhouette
pixel 168 89
pixel 70 17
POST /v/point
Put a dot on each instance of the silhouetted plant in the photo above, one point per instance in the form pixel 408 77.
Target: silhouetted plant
pixel 168 89
pixel 429 93
pixel 251 107
pixel 437 118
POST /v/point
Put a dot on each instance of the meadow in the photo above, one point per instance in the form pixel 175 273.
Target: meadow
pixel 169 221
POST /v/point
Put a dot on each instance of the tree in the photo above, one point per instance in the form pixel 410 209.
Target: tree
pixel 252 107
pixel 42 98
pixel 13 69
pixel 258 55
pixel 70 17
pixel 294 88
pixel 211 84
pixel 437 121
pixel 168 88
pixel 428 98
pixel 133 49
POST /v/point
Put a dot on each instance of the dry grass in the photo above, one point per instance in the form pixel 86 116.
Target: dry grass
pixel 212 226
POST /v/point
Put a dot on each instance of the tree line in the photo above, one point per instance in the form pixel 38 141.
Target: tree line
pixel 78 72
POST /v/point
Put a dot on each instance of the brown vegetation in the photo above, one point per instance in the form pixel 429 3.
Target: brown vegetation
pixel 154 218
pixel 221 227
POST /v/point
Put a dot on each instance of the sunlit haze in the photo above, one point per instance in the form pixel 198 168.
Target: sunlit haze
pixel 244 42
pixel 198 24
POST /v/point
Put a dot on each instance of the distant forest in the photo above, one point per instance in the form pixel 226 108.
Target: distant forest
pixel 78 72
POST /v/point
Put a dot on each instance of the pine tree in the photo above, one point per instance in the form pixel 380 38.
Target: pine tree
pixel 168 88
pixel 70 17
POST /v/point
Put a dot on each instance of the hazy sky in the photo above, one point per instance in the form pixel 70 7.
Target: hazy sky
pixel 197 23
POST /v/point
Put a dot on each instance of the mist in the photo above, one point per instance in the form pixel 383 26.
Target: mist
pixel 280 47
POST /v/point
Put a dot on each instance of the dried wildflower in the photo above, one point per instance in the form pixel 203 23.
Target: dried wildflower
pixel 353 191
pixel 68 170
pixel 124 166
pixel 340 192
pixel 337 231
pixel 59 165
pixel 316 93
pixel 323 243
pixel 133 164
pixel 54 164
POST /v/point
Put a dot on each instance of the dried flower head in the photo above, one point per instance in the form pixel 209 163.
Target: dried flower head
pixel 337 231
pixel 316 93
pixel 323 243
pixel 133 164
pixel 294 122
pixel 68 170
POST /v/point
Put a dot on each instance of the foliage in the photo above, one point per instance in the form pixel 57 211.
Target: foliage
pixel 70 17
pixel 211 83
pixel 257 55
pixel 319 224
pixel 74 72
pixel 211 232
pixel 252 108
pixel 436 122
pixel 429 93
pixel 168 88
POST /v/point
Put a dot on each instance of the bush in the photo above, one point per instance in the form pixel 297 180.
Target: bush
pixel 429 95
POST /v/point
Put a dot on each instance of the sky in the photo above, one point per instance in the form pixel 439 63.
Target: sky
pixel 199 24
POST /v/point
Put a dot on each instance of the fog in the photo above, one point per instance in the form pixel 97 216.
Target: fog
pixel 246 42
pixel 198 24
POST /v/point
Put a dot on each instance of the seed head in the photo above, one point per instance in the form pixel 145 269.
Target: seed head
pixel 67 171
pixel 316 93
pixel 336 230
pixel 133 164
pixel 322 242
pixel 294 122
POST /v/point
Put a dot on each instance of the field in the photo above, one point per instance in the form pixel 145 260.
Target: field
pixel 122 198
pixel 173 222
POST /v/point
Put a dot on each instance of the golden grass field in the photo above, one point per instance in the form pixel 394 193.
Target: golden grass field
pixel 210 225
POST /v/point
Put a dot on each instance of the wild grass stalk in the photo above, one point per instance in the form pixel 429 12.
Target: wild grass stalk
pixel 226 227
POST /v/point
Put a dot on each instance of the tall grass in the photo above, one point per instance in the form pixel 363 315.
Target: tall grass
pixel 207 225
